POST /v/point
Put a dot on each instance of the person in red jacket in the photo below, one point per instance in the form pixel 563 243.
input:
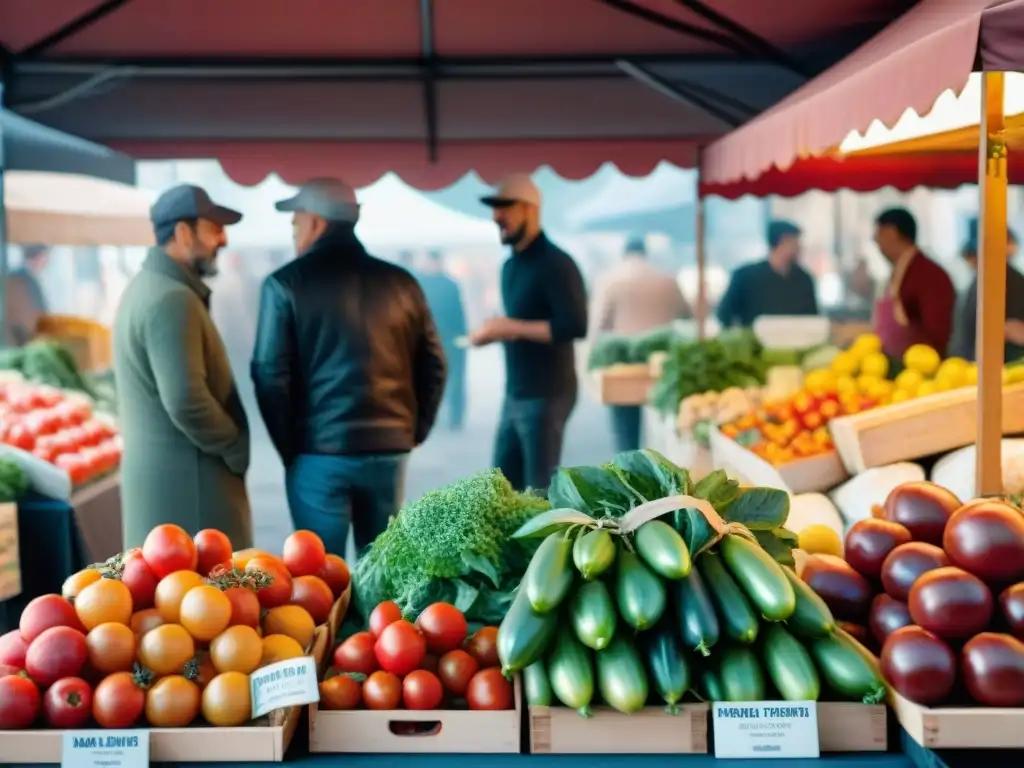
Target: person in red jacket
pixel 916 307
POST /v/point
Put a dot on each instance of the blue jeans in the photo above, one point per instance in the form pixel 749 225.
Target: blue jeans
pixel 528 447
pixel 329 493
pixel 626 427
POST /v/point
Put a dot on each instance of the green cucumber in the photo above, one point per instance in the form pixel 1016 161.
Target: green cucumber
pixel 621 677
pixel 711 684
pixel 524 635
pixel 537 685
pixel 571 672
pixel 790 666
pixel 698 624
pixel 670 669
pixel 593 553
pixel 812 617
pixel 759 576
pixel 549 576
pixel 849 668
pixel 738 619
pixel 662 549
pixel 593 616
pixel 742 678
pixel 639 592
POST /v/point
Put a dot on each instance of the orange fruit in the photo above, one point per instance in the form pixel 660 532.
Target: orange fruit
pixel 291 620
pixel 226 702
pixel 278 648
pixel 102 602
pixel 171 591
pixel 111 648
pixel 166 649
pixel 236 649
pixel 76 582
pixel 145 620
pixel 205 612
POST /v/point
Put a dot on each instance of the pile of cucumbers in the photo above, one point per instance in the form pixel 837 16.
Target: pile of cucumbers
pixel 629 620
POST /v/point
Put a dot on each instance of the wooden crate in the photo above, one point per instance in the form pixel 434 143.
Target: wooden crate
pixel 559 730
pixel 960 727
pixel 852 727
pixel 903 431
pixel 624 384
pixel 808 475
pixel 439 731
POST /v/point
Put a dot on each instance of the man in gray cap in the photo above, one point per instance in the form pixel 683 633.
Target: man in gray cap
pixel 348 370
pixel 186 437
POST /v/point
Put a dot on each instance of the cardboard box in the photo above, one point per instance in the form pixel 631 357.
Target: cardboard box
pixel 960 727
pixel 624 384
pixel 852 727
pixel 441 731
pixel 809 475
pixel 935 424
pixel 561 731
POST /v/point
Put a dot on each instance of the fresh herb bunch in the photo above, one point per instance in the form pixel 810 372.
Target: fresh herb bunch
pixel 454 545
pixel 618 350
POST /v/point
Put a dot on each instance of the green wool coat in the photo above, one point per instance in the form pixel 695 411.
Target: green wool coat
pixel 186 437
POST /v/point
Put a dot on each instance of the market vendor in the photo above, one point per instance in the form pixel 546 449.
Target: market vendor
pixel 966 321
pixel 776 286
pixel 916 306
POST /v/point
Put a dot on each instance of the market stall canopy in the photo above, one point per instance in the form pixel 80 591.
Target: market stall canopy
pixel 64 209
pixel 932 48
pixel 427 89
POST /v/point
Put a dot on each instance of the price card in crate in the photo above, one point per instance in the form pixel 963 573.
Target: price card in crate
pixel 288 683
pixel 105 749
pixel 766 729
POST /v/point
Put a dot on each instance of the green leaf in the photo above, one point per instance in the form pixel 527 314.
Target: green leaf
pixel 552 521
pixel 465 596
pixel 491 606
pixel 718 489
pixel 760 509
pixel 695 529
pixel 652 475
pixel 483 566
pixel 598 491
pixel 779 543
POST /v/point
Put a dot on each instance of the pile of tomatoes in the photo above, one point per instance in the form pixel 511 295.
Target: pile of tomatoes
pixel 58 429
pixel 422 666
pixel 166 633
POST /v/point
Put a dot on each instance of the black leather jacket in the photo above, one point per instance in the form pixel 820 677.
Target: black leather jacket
pixel 347 359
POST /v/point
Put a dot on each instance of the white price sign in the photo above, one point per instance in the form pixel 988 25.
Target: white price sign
pixel 289 683
pixel 105 749
pixel 766 729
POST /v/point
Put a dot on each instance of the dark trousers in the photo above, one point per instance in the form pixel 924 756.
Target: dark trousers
pixel 328 493
pixel 626 426
pixel 528 447
pixel 454 402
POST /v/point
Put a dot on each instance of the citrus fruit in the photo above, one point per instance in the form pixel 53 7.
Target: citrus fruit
pixel 820 381
pixel 875 364
pixel 971 373
pixel 927 388
pixel 818 539
pixel 909 381
pixel 844 364
pixel 900 396
pixel 922 358
pixel 866 384
pixel 846 385
pixel 867 343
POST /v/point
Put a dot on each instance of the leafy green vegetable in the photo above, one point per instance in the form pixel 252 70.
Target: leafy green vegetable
pixel 452 544
pixel 13 481
pixel 616 350
pixel 608 351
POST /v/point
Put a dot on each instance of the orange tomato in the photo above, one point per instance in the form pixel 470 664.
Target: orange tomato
pixel 76 582
pixel 170 592
pixel 336 574
pixel 145 620
pixel 236 649
pixel 166 649
pixel 313 594
pixel 241 558
pixel 245 606
pixel 226 701
pixel 200 670
pixel 304 553
pixel 111 648
pixel 292 621
pixel 172 702
pixel 205 612
pixel 278 648
pixel 102 602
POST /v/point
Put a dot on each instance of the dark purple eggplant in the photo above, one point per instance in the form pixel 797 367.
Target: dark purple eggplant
pixel 923 508
pixel 919 665
pixel 992 666
pixel 951 603
pixel 868 543
pixel 906 563
pixel 886 616
pixel 845 592
pixel 986 538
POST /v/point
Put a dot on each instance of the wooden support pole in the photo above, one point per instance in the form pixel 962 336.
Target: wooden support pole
pixel 992 182
pixel 701 310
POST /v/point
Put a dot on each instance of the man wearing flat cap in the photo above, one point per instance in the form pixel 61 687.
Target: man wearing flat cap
pixel 186 437
pixel 348 370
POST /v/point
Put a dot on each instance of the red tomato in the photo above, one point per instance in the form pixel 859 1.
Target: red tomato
pixel 384 614
pixel 304 553
pixel 44 453
pixel 443 626
pixel 58 652
pixel 68 703
pixel 118 701
pixel 168 548
pixel 356 654
pixel 140 580
pixel 245 607
pixel 19 702
pixel 214 548
pixel 382 690
pixel 279 590
pixel 12 648
pixel 335 572
pixel 20 437
pixel 93 432
pixel 314 595
pixel 422 690
pixel 400 648
pixel 72 463
pixel 483 646
pixel 45 612
pixel 489 690
pixel 456 669
pixel 8 669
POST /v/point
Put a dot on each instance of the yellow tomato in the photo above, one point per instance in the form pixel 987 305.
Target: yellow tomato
pixel 845 385
pixel 875 364
pixel 923 359
pixel 867 343
pixel 971 373
pixel 909 381
pixel 866 384
pixel 927 388
pixel 900 396
pixel 844 364
pixel 820 381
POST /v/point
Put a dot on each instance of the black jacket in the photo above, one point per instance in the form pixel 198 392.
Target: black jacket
pixel 347 359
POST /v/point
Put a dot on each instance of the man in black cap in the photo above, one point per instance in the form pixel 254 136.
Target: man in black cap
pixel 348 370
pixel 186 437
pixel 776 286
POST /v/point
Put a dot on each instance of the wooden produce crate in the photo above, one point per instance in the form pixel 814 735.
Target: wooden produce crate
pixel 624 384
pixel 561 731
pixel 960 727
pixel 934 424
pixel 852 727
pixel 441 731
pixel 88 342
pixel 808 475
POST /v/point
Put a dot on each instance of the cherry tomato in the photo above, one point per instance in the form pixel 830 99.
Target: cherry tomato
pixel 384 614
pixel 357 654
pixel 382 690
pixel 443 626
pixel 422 690
pixel 341 692
pixel 483 646
pixel 168 548
pixel 400 648
pixel 19 702
pixel 68 703
pixel 456 668
pixel 489 690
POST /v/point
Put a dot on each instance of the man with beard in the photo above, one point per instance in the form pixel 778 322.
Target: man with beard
pixel 348 370
pixel 186 437
pixel 546 306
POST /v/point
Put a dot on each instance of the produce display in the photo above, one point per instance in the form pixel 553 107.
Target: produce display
pixel 699 412
pixel 427 665
pixel 611 351
pixel 646 587
pixel 165 634
pixel 58 428
pixel 46 361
